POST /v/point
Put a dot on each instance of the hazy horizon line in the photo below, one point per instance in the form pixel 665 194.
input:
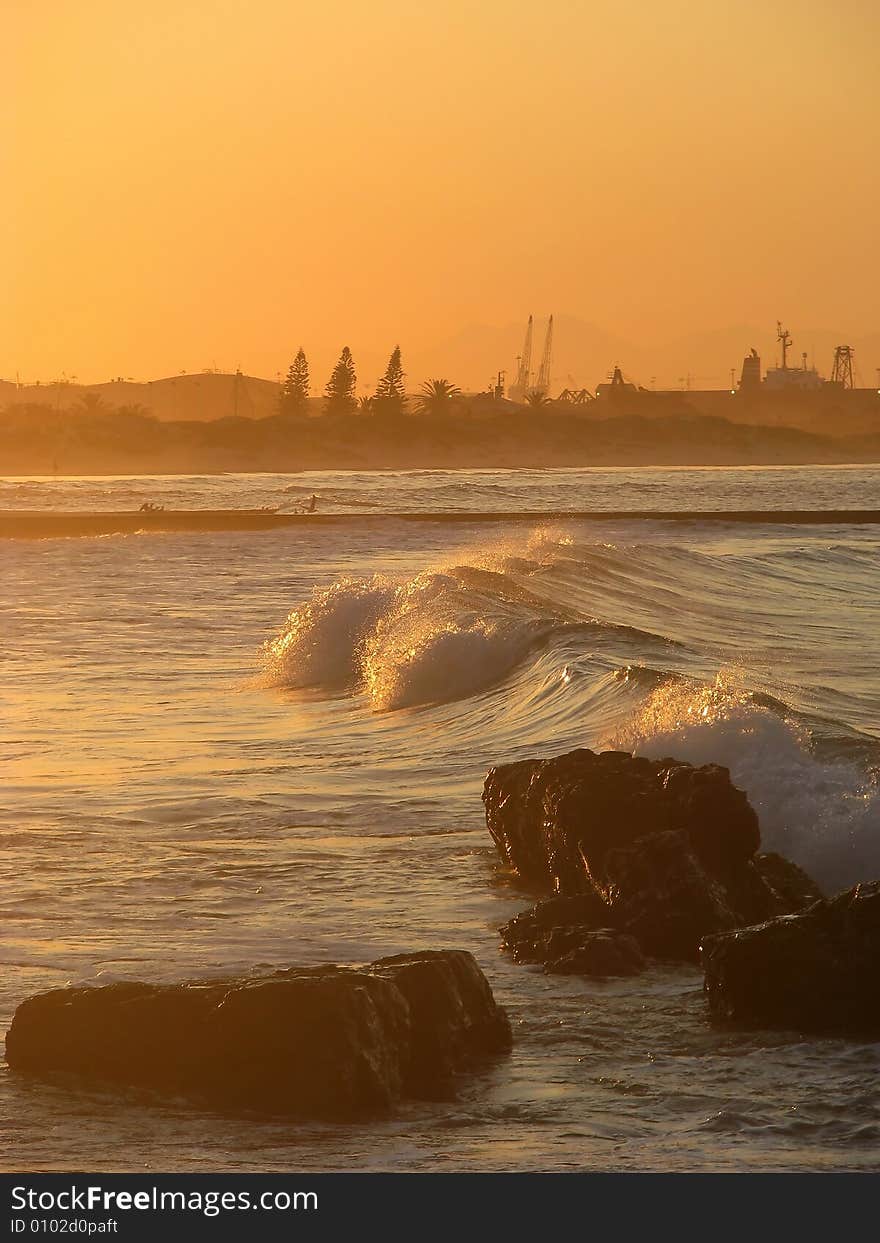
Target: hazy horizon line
pixel 640 349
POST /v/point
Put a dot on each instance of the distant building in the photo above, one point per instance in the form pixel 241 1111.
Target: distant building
pixel 750 379
pixel 616 389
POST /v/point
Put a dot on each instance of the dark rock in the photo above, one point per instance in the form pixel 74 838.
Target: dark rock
pixel 323 1041
pixel 454 1020
pixel 656 848
pixel 527 935
pixel 661 892
pixel 794 889
pixel 602 953
pixel 814 972
pixel 555 820
pixel 572 936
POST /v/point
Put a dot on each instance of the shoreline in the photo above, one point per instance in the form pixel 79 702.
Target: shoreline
pixel 42 524
pixel 218 471
pixel 342 458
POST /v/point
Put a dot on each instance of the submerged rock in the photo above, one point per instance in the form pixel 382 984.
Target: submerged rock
pixel 657 849
pixel 814 972
pixel 321 1041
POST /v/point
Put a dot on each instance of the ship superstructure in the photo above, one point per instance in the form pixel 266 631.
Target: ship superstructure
pixel 784 378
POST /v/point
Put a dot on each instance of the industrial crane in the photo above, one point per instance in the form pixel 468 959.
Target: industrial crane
pixel 542 384
pixel 519 390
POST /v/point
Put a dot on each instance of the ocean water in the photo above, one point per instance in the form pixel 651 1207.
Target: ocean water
pixel 228 751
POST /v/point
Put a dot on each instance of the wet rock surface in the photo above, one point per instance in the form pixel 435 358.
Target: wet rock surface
pixel 814 972
pixel 658 850
pixel 311 1042
pixel 567 936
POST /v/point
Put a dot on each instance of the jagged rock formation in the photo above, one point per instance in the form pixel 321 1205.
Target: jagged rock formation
pixel 320 1041
pixel 660 850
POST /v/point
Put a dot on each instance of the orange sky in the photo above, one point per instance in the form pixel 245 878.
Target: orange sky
pixel 198 182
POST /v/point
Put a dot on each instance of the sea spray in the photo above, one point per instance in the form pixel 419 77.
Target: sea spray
pixel 824 816
pixel 318 645
pixel 515 614
pixel 419 656
pixel 424 640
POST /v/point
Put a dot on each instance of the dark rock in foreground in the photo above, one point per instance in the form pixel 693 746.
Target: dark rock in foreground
pixel 657 849
pixel 322 1042
pixel 816 972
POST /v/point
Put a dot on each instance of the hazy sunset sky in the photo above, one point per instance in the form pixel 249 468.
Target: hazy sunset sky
pixel 198 182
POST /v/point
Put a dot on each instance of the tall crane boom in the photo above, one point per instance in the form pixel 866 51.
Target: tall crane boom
pixel 543 382
pixel 520 389
pixel 525 361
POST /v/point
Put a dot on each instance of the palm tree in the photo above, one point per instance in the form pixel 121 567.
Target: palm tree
pixel 92 403
pixel 436 396
pixel 536 399
pixel 365 405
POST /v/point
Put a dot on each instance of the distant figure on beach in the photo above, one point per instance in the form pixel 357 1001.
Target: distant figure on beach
pixel 312 504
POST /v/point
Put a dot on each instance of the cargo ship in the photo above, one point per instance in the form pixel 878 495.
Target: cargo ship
pixel 783 394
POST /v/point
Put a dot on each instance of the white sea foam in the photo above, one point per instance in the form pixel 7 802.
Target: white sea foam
pixel 430 651
pixel 824 816
pixel 318 645
pixel 448 633
pixel 424 640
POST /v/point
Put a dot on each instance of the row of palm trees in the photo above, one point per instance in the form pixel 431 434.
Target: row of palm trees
pixel 434 397
pixel 437 396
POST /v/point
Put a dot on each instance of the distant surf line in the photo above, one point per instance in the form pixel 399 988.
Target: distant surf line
pixel 34 524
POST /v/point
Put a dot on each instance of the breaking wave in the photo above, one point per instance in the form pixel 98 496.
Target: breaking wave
pixel 557 643
pixel 823 815
pixel 425 640
pixel 320 642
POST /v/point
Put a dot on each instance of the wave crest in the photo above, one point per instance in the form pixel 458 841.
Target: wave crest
pixel 824 816
pixel 427 640
pixel 318 645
